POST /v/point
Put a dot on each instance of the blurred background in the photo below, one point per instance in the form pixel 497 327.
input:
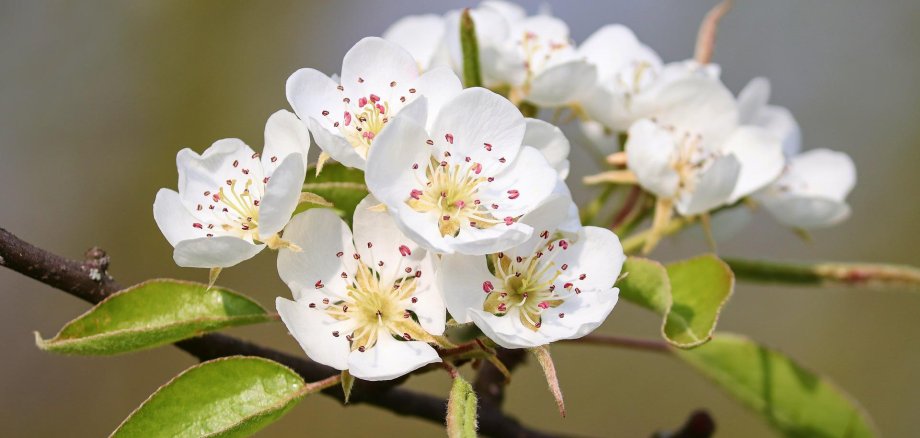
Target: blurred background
pixel 97 97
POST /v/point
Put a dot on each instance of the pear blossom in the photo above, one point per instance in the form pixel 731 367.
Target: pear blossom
pixel 378 80
pixel 232 201
pixel 695 155
pixel 533 55
pixel 460 183
pixel 364 301
pixel 557 285
pixel 812 191
pixel 630 77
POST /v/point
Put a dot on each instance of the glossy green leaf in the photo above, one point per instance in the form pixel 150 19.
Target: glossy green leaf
pixel 699 288
pixel 689 294
pixel 461 410
pixel 234 396
pixel 342 186
pixel 150 314
pixel 797 402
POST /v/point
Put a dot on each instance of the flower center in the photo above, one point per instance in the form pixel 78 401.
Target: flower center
pixel 451 192
pixel 240 207
pixel 635 78
pixel 538 52
pixel 376 309
pixel 528 284
pixel 690 158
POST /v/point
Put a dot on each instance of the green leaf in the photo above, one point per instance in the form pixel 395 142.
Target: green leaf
pixel 472 72
pixel 150 314
pixel 233 396
pixel 461 410
pixel 795 401
pixel 342 186
pixel 689 294
pixel 699 288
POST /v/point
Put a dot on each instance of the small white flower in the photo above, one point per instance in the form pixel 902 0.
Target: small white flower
pixel 379 79
pixel 461 184
pixel 812 191
pixel 695 154
pixel 630 77
pixel 554 286
pixel 232 201
pixel 357 296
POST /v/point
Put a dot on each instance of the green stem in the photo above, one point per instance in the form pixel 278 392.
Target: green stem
pixel 825 274
pixel 472 73
pixel 634 243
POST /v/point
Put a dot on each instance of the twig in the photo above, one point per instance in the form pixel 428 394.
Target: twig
pixel 619 341
pixel 89 281
pixel 490 380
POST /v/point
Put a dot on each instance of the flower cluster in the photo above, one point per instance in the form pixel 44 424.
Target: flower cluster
pixel 468 219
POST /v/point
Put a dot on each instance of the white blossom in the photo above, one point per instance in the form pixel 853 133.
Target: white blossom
pixel 557 285
pixel 460 183
pixel 232 201
pixel 378 80
pixel 357 295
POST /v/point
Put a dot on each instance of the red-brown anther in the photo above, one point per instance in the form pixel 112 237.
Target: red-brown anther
pixel 236 163
pixel 467 159
pixel 582 276
pixel 577 291
pixel 519 259
pixel 207 193
pixel 361 349
pixel 255 155
pixel 487 286
pixel 197 225
pixel 339 254
pixel 408 270
pixel 502 160
pixel 414 166
pixel 407 315
pixel 446 217
pixel 490 179
pixel 502 307
pixel 477 168
pixel 414 300
pixel 319 284
pixel 543 305
pixel 459 204
pixel 343 275
pixel 245 171
pixel 430 142
pixel 360 80
pixel 509 220
pixel 404 250
pixel 325 113
pixel 565 266
pixel 312 305
pixel 375 98
pixel 356 256
pixel 345 308
pixel 552 287
pixel 444 164
pixel 418 274
pixel 544 234
pixel 392 84
pixel 325 300
pixel 370 245
pixel 415 194
pixel 347 118
pixel 265 180
pixel 200 207
pixel 488 146
pixel 256 202
pixel 513 194
pixel 412 90
pixel 381 109
pixel 567 285
pixel 501 255
pixel 407 337
pixel 340 88
pixel 229 182
pixel 335 333
pixel 245 227
pixel 495 206
pixel 362 102
pixel 274 158
pixel 563 244
pixel 449 137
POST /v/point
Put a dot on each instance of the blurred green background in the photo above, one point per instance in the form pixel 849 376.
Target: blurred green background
pixel 97 97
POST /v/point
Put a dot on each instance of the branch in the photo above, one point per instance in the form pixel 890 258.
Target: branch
pixel 826 274
pixel 619 341
pixel 490 381
pixel 89 281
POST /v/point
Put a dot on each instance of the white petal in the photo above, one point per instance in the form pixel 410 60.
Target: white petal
pixel 823 172
pixel 753 98
pixel 507 331
pixel 378 239
pixel 807 212
pixel 372 64
pixel 282 194
pixel 225 160
pixel 461 279
pixel 648 153
pixel 429 306
pixel 474 118
pixel 402 144
pixel 285 134
pixel 551 142
pixel 596 254
pixel 310 92
pixel 439 86
pixel 312 328
pixel 389 359
pixel 422 228
pixel 605 140
pixel 335 145
pixel 490 240
pixel 509 11
pixel 761 157
pixel 214 252
pixel 781 123
pixel 520 187
pixel 173 219
pixel 713 187
pixel 695 104
pixel 322 236
pixel 421 35
pixel 563 83
pixel 581 314
pixel 551 215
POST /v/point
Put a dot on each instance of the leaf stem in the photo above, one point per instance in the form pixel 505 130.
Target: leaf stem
pixel 654 345
pixel 472 73
pixel 826 274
